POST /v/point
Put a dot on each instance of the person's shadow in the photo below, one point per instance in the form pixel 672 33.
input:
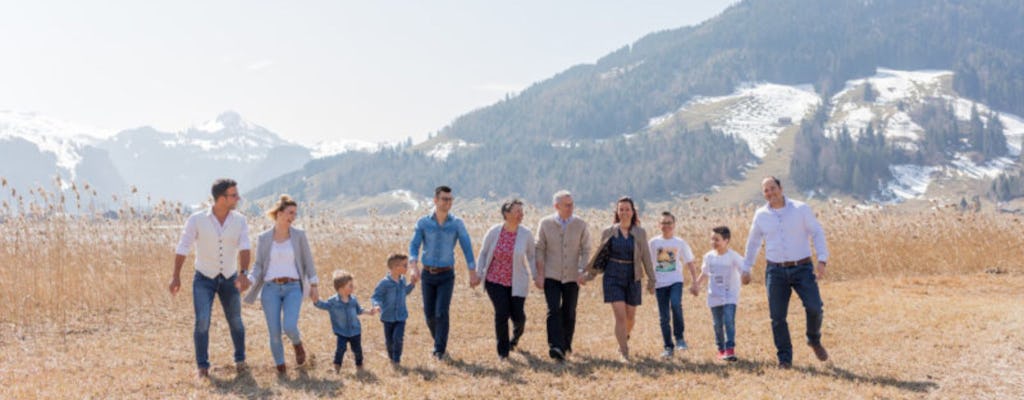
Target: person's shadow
pixel 242 385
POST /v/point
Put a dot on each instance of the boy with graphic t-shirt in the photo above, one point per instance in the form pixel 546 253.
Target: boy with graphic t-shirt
pixel 721 269
pixel 669 252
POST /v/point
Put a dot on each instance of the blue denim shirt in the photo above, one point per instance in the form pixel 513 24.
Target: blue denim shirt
pixel 439 242
pixel 344 316
pixel 390 297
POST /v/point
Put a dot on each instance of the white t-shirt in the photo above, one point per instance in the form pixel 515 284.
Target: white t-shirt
pixel 282 261
pixel 669 256
pixel 723 272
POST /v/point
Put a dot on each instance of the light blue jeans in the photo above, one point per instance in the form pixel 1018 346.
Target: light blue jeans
pixel 283 299
pixel 724 317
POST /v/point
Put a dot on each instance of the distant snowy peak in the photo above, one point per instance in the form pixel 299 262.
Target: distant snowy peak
pixel 334 147
pixel 755 112
pixel 63 139
pixel 442 150
pixel 228 137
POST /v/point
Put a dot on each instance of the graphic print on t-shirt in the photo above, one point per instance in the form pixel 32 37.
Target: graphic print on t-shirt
pixel 666 260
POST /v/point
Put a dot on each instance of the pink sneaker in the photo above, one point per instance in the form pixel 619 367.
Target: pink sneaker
pixel 721 354
pixel 730 355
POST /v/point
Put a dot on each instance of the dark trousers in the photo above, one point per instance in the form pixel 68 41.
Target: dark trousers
pixel 781 282
pixel 437 299
pixel 506 306
pixel 356 342
pixel 561 318
pixel 394 336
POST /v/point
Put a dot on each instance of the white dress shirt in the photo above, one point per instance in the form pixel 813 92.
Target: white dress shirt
pixel 785 233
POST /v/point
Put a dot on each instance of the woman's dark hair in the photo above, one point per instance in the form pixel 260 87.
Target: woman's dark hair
pixel 722 231
pixel 506 207
pixel 221 186
pixel 626 199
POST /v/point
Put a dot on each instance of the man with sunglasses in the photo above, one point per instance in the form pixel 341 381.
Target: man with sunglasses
pixel 437 234
pixel 220 236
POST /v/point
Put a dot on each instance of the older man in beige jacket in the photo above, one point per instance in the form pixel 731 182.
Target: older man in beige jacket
pixel 563 249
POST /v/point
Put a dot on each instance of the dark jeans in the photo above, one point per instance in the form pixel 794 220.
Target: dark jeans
pixel 561 319
pixel 356 342
pixel 394 336
pixel 437 299
pixel 203 291
pixel 781 282
pixel 670 297
pixel 506 306
pixel 724 317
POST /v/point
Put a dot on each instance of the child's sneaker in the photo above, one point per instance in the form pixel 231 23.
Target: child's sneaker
pixel 721 354
pixel 681 345
pixel 730 355
pixel 667 353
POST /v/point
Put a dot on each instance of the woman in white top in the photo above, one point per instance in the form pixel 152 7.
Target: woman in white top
pixel 282 275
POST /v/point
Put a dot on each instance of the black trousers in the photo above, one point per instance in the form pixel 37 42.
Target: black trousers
pixel 561 299
pixel 506 307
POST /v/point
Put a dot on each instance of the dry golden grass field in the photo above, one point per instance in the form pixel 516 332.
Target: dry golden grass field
pixel 917 305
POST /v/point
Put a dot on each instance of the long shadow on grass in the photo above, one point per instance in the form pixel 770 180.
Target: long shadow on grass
pixel 657 367
pixel 317 386
pixel 242 385
pixel 508 375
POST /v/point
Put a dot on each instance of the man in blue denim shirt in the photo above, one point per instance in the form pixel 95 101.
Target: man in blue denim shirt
pixel 437 233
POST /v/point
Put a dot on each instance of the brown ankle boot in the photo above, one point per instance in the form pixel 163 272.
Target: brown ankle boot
pixel 300 354
pixel 280 369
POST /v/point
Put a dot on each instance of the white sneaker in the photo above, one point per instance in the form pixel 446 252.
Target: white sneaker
pixel 666 354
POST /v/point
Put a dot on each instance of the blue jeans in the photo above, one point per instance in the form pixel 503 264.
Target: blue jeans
pixel 437 299
pixel 203 291
pixel 725 326
pixel 670 297
pixel 278 299
pixel 356 342
pixel 781 282
pixel 394 334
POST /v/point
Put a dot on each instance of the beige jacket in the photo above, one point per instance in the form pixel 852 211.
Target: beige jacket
pixel 563 254
pixel 643 264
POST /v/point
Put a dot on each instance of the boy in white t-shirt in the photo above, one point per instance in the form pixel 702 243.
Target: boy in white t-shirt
pixel 669 252
pixel 721 268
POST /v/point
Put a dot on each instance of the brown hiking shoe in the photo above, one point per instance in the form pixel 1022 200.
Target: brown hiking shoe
pixel 819 351
pixel 281 369
pixel 300 354
pixel 203 373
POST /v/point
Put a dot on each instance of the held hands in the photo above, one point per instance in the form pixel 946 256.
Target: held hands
pixel 745 278
pixel 581 279
pixel 474 279
pixel 314 294
pixel 242 282
pixel 694 290
pixel 375 310
pixel 413 279
pixel 539 282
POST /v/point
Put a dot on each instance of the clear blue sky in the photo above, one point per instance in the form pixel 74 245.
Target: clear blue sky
pixel 308 70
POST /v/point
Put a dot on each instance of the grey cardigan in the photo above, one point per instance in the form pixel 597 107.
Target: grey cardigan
pixel 524 258
pixel 303 261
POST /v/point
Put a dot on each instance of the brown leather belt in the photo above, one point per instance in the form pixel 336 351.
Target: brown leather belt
pixel 787 264
pixel 282 281
pixel 616 260
pixel 436 270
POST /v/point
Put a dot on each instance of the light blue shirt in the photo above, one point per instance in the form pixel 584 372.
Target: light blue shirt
pixel 344 315
pixel 786 233
pixel 438 242
pixel 390 297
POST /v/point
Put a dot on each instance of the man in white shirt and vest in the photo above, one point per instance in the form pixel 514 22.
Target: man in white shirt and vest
pixel 785 225
pixel 220 236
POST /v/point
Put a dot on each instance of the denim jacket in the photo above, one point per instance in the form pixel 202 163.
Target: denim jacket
pixel 390 297
pixel 344 316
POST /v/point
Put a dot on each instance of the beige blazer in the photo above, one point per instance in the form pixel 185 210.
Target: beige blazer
pixel 643 264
